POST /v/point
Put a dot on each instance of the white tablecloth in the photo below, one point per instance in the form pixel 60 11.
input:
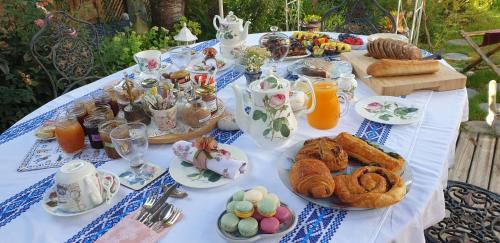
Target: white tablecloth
pixel 427 145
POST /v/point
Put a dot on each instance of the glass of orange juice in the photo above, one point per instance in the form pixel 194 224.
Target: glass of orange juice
pixel 69 134
pixel 328 111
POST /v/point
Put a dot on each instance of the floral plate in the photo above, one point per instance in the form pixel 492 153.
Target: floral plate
pixel 197 66
pixel 389 110
pixel 186 174
pixel 49 201
pixel 286 161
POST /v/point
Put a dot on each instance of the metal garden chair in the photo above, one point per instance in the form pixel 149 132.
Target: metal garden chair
pixel 71 47
pixel 361 17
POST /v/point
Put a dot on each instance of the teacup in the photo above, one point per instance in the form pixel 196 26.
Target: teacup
pixel 149 61
pixel 79 187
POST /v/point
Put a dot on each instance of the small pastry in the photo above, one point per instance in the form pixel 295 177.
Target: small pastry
pixel 248 227
pixel 230 206
pixel 274 198
pixel 243 209
pixel 267 207
pixel 253 196
pixel 256 215
pixel 262 190
pixel 283 214
pixel 238 196
pixel 326 150
pixel 311 177
pixel 229 222
pixel 270 225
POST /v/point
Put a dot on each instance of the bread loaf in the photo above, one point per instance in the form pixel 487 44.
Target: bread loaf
pixel 391 68
pixel 393 49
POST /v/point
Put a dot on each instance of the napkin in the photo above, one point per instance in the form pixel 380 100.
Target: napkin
pixel 129 230
pixel 220 163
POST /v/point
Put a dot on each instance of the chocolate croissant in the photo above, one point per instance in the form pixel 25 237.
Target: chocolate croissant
pixel 369 154
pixel 311 177
pixel 326 150
pixel 393 49
pixel 369 187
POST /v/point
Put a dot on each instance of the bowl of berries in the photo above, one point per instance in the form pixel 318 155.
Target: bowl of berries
pixel 355 41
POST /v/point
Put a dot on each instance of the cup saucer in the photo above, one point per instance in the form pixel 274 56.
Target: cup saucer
pixel 49 202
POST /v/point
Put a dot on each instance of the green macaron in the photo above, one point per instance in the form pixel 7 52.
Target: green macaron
pixel 230 206
pixel 267 207
pixel 248 227
pixel 238 196
pixel 243 209
pixel 229 222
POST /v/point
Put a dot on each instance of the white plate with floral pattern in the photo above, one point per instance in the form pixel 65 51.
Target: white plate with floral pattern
pixel 389 110
pixel 186 174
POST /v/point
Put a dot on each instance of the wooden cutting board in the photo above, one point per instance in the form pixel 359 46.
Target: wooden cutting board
pixel 445 79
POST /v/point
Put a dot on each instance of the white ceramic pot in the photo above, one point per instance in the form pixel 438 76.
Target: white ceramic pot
pixel 165 119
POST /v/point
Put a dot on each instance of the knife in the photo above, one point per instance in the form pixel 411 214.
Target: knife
pixel 158 204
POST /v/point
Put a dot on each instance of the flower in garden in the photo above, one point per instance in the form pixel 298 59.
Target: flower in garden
pixel 39 22
pixel 277 100
pixel 374 106
pixel 152 64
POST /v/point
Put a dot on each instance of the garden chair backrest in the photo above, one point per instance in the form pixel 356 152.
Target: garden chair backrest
pixel 360 17
pixel 67 49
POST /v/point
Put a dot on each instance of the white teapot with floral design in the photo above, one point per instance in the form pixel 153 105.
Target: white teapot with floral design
pixel 231 31
pixel 271 121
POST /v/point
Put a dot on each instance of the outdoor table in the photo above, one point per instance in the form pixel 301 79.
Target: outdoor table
pixel 428 147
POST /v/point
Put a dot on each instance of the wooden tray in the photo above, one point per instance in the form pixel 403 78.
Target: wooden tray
pixel 445 79
pixel 172 138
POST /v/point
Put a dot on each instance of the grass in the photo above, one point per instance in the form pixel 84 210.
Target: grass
pixel 480 78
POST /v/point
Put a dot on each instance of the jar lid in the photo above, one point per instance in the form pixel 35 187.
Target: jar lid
pixel 149 83
pixel 179 74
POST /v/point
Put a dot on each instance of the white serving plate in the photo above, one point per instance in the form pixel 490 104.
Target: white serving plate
pixel 286 161
pixel 56 211
pixel 389 110
pixel 181 172
pixel 289 58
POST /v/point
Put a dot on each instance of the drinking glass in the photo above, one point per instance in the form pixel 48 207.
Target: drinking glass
pixel 181 56
pixel 69 134
pixel 327 111
pixel 131 142
pixel 104 131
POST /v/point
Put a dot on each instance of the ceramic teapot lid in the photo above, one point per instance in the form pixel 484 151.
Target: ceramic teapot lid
pixel 270 82
pixel 231 18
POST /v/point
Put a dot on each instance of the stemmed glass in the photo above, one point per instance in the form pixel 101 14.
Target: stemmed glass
pixel 131 142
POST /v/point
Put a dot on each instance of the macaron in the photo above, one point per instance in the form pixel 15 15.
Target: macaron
pixel 273 197
pixel 270 225
pixel 256 215
pixel 253 196
pixel 283 214
pixel 230 206
pixel 238 196
pixel 248 227
pixel 261 189
pixel 229 222
pixel 266 207
pixel 243 209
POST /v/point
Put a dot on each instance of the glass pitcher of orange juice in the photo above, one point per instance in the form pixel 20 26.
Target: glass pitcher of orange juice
pixel 328 111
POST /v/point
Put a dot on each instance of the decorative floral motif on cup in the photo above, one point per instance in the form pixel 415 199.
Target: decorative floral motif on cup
pixel 152 64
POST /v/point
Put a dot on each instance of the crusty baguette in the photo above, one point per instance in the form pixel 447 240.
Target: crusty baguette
pixel 391 68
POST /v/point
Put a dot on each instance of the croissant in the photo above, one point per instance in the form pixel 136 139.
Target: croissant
pixel 369 154
pixel 370 187
pixel 311 177
pixel 326 150
pixel 393 49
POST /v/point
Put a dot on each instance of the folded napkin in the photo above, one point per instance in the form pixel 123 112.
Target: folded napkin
pixel 220 161
pixel 129 230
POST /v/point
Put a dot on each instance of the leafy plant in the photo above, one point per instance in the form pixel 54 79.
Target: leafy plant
pixel 312 18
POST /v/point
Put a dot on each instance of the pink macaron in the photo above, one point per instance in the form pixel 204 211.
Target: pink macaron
pixel 269 225
pixel 256 215
pixel 283 214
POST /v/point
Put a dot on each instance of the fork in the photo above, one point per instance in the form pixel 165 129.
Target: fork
pixel 165 214
pixel 147 205
pixel 173 219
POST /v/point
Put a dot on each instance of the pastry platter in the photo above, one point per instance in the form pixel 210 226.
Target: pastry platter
pixel 290 58
pixel 388 110
pixel 286 161
pixel 183 131
pixel 188 175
